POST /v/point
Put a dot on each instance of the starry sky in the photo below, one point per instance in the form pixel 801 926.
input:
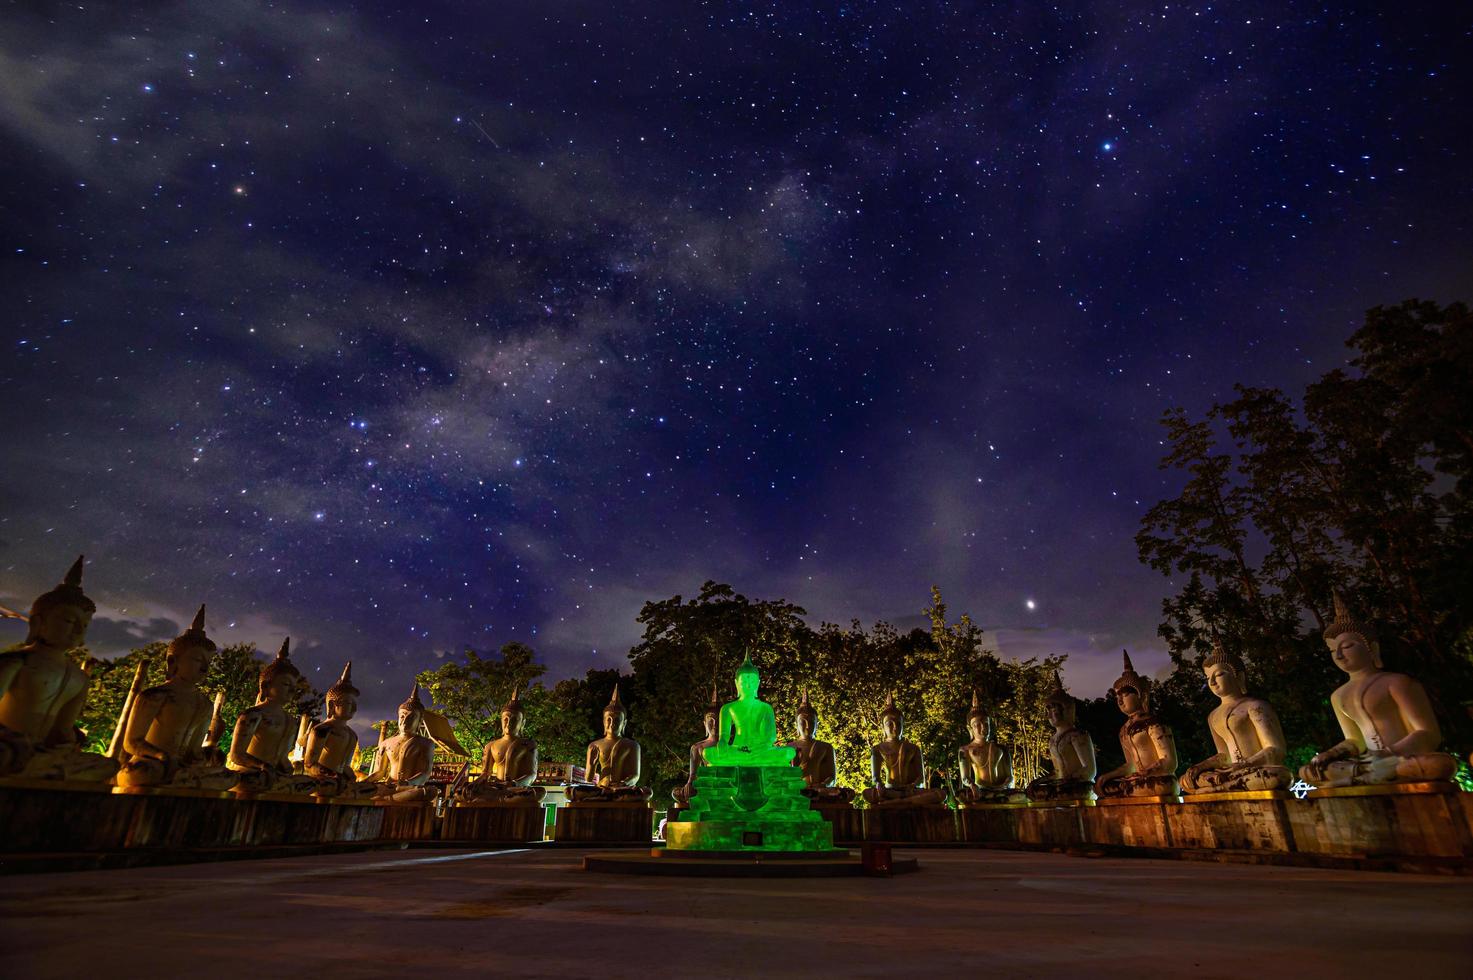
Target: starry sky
pixel 406 327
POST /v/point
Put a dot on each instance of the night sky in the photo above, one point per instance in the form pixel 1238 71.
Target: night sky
pixel 409 327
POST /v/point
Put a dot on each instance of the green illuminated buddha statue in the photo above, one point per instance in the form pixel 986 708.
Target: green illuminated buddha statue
pixel 1250 741
pixel 332 743
pixel 1071 752
pixel 612 765
pixel 166 727
pixel 897 767
pixel 508 765
pixel 407 761
pixel 710 720
pixel 261 747
pixel 1150 749
pixel 42 691
pixel 986 771
pixel 816 759
pixel 1391 733
pixel 749 795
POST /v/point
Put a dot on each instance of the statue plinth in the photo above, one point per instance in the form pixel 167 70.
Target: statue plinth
pixel 619 822
pixel 926 824
pixel 1384 789
pixel 750 808
pixel 495 820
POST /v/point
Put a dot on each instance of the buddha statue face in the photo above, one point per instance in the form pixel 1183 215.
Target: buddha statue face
pixel 1224 681
pixel 1129 699
pixel 747 683
pixel 980 725
pixel 613 723
pixel 342 707
pixel 512 720
pixel 1060 712
pixel 806 724
pixel 410 718
pixel 278 690
pixel 890 726
pixel 189 662
pixel 1352 652
pixel 62 625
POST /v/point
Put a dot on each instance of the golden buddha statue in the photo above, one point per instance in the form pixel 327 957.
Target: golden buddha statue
pixel 407 761
pixel 613 763
pixel 1150 750
pixel 261 746
pixel 1071 752
pixel 332 743
pixel 986 771
pixel 816 759
pixel 509 763
pixel 166 726
pixel 897 767
pixel 1250 741
pixel 709 719
pixel 1391 734
pixel 42 691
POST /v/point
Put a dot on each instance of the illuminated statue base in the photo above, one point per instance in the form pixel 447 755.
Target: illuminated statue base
pixel 746 809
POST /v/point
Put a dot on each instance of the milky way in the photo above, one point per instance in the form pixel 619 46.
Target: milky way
pixel 401 330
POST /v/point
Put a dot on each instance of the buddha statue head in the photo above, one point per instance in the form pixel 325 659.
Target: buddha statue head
pixel 1132 691
pixel 615 716
pixel 279 678
pixel 747 680
pixel 1061 708
pixel 411 713
pixel 711 717
pixel 892 722
pixel 59 618
pixel 342 697
pixel 1226 675
pixel 513 716
pixel 1352 643
pixel 979 722
pixel 189 654
pixel 806 718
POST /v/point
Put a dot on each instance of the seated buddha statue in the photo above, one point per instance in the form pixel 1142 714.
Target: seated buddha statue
pixel 407 761
pixel 747 727
pixel 1391 733
pixel 261 746
pixel 816 759
pixel 710 719
pixel 986 771
pixel 42 691
pixel 508 765
pixel 897 767
pixel 164 732
pixel 1149 747
pixel 1250 741
pixel 1071 752
pixel 332 743
pixel 613 763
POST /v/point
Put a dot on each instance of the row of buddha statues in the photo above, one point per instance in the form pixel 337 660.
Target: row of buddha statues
pixel 168 734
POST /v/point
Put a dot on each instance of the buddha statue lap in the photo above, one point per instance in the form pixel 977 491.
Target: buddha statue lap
pixel 332 743
pixel 613 762
pixel 1391 733
pixel 508 764
pixel 816 759
pixel 407 761
pixel 1250 741
pixel 1149 747
pixel 1071 752
pixel 986 771
pixel 710 720
pixel 265 735
pixel 42 692
pixel 165 727
pixel 897 767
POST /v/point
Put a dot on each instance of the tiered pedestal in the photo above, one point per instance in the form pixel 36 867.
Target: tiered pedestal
pixel 1254 820
pixel 1429 819
pixel 932 824
pixel 498 822
pixel 1131 821
pixel 605 822
pixel 988 822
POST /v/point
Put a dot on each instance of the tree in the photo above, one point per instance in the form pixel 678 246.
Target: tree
pixel 470 691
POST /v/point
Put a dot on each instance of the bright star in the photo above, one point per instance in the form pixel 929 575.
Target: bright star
pixel 1031 605
pixel 1107 147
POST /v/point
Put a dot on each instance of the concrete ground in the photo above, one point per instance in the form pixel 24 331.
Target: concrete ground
pixel 535 913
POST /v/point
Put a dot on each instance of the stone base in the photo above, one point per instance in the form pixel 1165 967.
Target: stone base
pixel 988 822
pixel 707 864
pixel 1136 821
pixel 596 822
pixel 1056 824
pixel 52 816
pixel 910 824
pixel 755 835
pixel 494 822
pixel 1423 819
pixel 848 823
pixel 407 821
pixel 1240 821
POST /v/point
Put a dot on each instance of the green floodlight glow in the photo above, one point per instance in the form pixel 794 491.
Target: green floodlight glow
pixel 749 796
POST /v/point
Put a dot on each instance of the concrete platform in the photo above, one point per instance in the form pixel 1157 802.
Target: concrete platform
pixel 669 862
pixel 523 912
